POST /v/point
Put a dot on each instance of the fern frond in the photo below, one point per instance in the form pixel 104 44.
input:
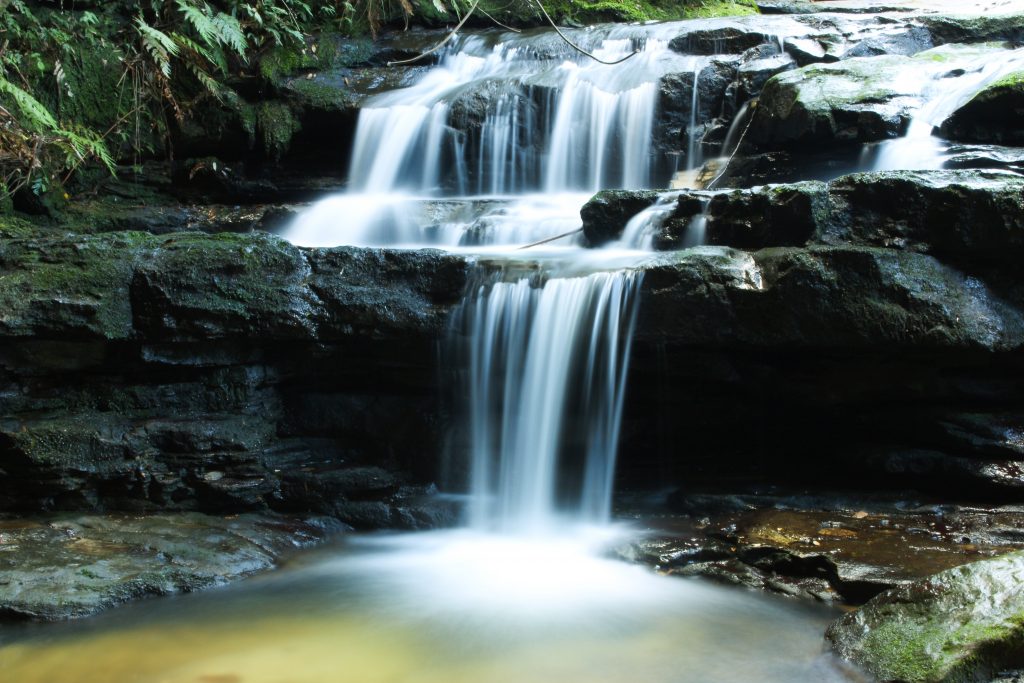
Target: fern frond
pixel 158 44
pixel 230 33
pixel 37 115
pixel 201 19
pixel 189 44
pixel 87 145
pixel 208 81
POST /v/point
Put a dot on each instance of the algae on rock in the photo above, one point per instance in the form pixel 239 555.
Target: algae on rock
pixel 963 624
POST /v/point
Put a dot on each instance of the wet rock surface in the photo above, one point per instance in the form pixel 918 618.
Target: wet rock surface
pixel 178 372
pixel 961 624
pixel 65 567
pixel 994 115
pixel 825 546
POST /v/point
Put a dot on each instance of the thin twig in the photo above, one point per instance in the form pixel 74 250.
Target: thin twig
pixel 550 239
pixel 739 143
pixel 507 28
pixel 574 45
pixel 437 47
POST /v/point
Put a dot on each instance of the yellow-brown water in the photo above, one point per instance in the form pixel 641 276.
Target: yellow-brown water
pixel 436 608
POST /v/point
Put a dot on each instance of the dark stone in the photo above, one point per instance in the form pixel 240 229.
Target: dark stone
pixel 964 216
pixel 994 115
pixel 784 215
pixel 806 51
pixel 606 214
pixel 823 297
pixel 975 29
pixel 908 42
pixel 726 40
pixel 753 74
pixel 675 102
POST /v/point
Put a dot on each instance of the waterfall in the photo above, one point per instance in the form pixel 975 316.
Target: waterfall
pixel 543 127
pixel 534 130
pixel 547 372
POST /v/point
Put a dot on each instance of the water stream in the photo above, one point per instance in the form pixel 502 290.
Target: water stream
pixel 525 592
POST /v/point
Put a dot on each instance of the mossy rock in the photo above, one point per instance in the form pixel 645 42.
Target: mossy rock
pixel 323 52
pixel 963 624
pixel 857 100
pixel 862 99
pixel 76 285
pixel 975 28
pixel 994 115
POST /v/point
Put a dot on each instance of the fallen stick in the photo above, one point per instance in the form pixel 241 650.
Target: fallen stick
pixel 550 239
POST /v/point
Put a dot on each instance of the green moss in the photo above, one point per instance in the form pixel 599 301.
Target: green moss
pixel 12 227
pixel 322 52
pixel 275 126
pixel 76 284
pixel 321 95
pixel 593 11
pixel 1012 81
pixel 281 62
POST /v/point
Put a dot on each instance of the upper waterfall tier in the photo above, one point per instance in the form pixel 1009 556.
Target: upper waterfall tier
pixel 512 118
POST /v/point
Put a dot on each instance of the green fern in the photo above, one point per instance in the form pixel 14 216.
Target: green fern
pixel 158 44
pixel 231 34
pixel 37 116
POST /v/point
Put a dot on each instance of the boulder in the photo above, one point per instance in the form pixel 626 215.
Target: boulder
pixel 975 28
pixel 857 100
pixel 724 40
pixel 965 217
pixel 906 41
pixel 962 216
pixel 994 115
pixel 776 215
pixel 606 214
pixel 963 624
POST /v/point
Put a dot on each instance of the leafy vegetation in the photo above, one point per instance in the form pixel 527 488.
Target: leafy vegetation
pixel 57 110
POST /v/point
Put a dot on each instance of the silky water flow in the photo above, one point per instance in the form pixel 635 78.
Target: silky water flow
pixel 526 590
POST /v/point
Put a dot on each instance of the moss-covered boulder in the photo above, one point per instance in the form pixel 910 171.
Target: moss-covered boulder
pixel 994 115
pixel 856 100
pixel 963 624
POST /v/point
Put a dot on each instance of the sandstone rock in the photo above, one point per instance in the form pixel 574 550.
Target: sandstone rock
pixel 70 566
pixel 962 624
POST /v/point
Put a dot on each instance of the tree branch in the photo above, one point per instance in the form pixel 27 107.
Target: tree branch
pixel 437 47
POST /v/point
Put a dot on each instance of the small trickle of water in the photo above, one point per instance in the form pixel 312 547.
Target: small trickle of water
pixel 641 229
pixel 693 138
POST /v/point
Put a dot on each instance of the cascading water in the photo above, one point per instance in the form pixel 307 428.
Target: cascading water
pixel 945 93
pixel 547 345
pixel 547 353
pixel 537 128
pixel 536 353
